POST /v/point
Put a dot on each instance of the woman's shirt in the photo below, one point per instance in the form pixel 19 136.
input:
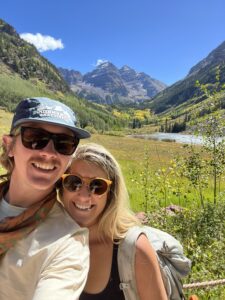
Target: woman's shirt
pixel 112 290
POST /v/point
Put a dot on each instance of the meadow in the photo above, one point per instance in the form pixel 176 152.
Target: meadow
pixel 160 175
pixel 157 177
pixel 134 155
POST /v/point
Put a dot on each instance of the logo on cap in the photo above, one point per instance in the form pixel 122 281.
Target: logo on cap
pixel 57 112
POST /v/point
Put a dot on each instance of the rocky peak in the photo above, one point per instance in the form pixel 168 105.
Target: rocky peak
pixel 71 76
pixel 107 77
pixel 128 74
pixel 106 67
pixel 105 64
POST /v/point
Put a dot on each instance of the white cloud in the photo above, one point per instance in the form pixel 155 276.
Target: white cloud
pixel 100 61
pixel 42 42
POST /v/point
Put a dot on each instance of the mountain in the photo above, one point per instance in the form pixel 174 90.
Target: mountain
pixel 185 90
pixel 71 77
pixel 108 85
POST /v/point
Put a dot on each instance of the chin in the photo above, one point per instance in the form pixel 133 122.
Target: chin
pixel 43 185
pixel 82 222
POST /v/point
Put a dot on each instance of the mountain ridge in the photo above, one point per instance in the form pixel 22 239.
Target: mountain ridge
pixel 216 56
pixel 108 84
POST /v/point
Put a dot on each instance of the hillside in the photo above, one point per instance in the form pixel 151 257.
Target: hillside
pixel 24 59
pixel 185 90
pixel 25 73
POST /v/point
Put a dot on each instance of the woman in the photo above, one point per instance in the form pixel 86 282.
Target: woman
pixel 95 195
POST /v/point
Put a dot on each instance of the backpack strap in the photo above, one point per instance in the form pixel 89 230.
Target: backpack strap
pixel 126 263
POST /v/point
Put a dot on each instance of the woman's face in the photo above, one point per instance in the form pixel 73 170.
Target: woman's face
pixel 85 207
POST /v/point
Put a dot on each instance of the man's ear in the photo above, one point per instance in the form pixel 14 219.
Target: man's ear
pixel 7 141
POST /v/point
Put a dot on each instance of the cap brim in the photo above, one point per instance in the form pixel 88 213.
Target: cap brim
pixel 80 133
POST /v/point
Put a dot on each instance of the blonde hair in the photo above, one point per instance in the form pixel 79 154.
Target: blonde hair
pixel 6 161
pixel 117 217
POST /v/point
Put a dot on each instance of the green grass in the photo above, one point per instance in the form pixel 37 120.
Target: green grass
pixel 130 153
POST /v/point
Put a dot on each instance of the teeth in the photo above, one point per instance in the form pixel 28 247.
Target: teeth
pixel 83 207
pixel 44 166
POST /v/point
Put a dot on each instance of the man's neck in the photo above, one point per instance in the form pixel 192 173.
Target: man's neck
pixel 24 198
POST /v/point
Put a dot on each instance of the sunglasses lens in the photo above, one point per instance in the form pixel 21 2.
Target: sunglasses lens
pixel 98 186
pixel 66 144
pixel 33 138
pixel 36 139
pixel 72 183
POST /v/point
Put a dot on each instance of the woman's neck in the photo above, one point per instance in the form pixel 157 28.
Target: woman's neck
pixel 95 237
pixel 93 233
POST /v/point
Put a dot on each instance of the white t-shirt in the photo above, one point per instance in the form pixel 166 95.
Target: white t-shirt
pixel 50 263
pixel 8 210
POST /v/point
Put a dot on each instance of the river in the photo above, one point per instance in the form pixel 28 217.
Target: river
pixel 175 137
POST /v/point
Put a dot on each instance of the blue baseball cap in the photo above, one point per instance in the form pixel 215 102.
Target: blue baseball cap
pixel 45 110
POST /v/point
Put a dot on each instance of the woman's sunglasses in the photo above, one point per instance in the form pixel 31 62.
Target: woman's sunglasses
pixel 38 138
pixel 96 186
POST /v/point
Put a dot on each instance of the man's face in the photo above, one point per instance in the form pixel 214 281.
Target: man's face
pixel 37 169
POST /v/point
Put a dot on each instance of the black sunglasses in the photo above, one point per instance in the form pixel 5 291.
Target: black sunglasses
pixel 38 138
pixel 96 186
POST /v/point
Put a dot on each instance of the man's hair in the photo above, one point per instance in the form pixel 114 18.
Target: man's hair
pixel 6 161
pixel 117 217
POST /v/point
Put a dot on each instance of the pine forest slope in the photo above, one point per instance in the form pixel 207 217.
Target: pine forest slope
pixel 182 91
pixel 23 59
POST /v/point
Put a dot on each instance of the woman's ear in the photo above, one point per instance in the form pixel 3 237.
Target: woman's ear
pixel 7 142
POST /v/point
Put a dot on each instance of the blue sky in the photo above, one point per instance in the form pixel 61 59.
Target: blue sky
pixel 163 38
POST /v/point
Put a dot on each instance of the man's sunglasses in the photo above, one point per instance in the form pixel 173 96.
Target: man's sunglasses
pixel 96 186
pixel 38 138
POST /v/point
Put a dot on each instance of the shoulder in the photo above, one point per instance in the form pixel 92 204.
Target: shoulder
pixel 147 272
pixel 144 248
pixel 142 241
pixel 136 246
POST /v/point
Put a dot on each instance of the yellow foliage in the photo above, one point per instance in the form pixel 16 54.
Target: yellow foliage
pixel 142 114
pixel 121 115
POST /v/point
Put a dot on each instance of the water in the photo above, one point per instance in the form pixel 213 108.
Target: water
pixel 175 137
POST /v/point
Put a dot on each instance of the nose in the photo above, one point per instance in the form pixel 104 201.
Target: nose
pixel 84 192
pixel 49 150
pixel 83 196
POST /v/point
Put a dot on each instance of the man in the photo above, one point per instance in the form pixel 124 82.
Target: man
pixel 43 253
